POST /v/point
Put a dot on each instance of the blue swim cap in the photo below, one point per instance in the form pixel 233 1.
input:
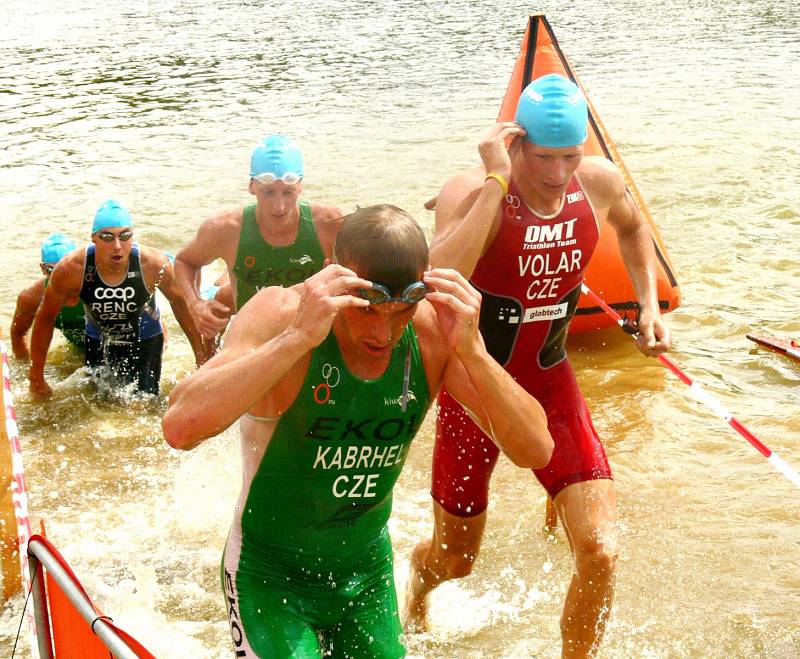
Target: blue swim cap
pixel 553 112
pixel 111 215
pixel 55 246
pixel 277 155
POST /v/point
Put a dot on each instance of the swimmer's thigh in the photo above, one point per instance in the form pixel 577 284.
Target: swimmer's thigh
pixel 375 632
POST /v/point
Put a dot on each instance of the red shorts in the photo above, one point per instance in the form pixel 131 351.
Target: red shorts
pixel 464 457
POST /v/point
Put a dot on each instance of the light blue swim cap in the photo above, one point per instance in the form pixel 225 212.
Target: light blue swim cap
pixel 111 215
pixel 553 112
pixel 278 155
pixel 55 246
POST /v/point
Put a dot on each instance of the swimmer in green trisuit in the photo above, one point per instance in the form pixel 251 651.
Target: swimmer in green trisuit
pixel 280 240
pixel 331 379
pixel 70 319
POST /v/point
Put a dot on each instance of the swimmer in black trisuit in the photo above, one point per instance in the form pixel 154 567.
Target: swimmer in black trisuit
pixel 115 279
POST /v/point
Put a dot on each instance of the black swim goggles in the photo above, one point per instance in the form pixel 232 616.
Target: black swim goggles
pixel 378 294
pixel 109 237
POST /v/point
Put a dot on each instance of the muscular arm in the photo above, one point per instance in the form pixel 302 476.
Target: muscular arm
pixel 216 238
pixel 638 254
pixel 267 342
pixel 465 214
pixel 503 409
pixel 236 378
pixel 160 272
pixel 28 302
pixel 468 207
pixel 327 221
pixel 65 286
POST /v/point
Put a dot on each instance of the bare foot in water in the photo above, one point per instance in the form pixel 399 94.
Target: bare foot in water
pixel 415 614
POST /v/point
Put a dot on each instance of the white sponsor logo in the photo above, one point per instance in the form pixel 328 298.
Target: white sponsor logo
pixel 399 399
pixel 551 312
pixel 302 260
pixel 551 233
pixel 331 374
pixel 117 293
pixel 574 196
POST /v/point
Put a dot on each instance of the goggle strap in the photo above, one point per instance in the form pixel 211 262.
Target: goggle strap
pixel 406 381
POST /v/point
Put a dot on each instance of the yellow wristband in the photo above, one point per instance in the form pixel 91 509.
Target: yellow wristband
pixel 499 178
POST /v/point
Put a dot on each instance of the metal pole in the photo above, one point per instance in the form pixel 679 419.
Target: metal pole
pixel 41 613
pixel 82 604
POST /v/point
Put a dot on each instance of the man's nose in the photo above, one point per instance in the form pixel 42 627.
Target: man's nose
pixel 382 329
pixel 556 171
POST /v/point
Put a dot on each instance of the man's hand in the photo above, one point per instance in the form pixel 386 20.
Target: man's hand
pixel 494 151
pixel 322 297
pixel 457 306
pixel 653 337
pixel 211 317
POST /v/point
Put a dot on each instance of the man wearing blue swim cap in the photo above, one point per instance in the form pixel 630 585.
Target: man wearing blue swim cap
pixel 523 228
pixel 279 241
pixel 70 319
pixel 115 280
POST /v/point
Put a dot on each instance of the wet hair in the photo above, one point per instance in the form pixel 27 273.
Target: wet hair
pixel 385 244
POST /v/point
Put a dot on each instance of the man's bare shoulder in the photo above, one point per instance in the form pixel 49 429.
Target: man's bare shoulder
pixel 327 222
pixel 601 180
pixel 464 183
pixel 156 267
pixel 327 217
pixel 152 256
pixel 222 224
pixel 228 217
pixel 216 237
pixel 32 295
pixel 459 192
pixel 269 311
pixel 68 273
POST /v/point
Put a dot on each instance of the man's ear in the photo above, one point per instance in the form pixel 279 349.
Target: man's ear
pixel 252 186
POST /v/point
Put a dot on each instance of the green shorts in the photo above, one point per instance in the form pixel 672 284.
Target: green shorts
pixel 284 602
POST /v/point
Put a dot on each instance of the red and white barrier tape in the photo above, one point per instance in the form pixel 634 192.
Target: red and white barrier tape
pixel 706 398
pixel 19 492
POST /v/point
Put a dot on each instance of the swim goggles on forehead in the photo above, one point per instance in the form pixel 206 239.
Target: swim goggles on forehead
pixel 108 237
pixel 289 178
pixel 378 294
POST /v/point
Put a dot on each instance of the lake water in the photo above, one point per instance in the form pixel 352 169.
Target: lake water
pixel 159 103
